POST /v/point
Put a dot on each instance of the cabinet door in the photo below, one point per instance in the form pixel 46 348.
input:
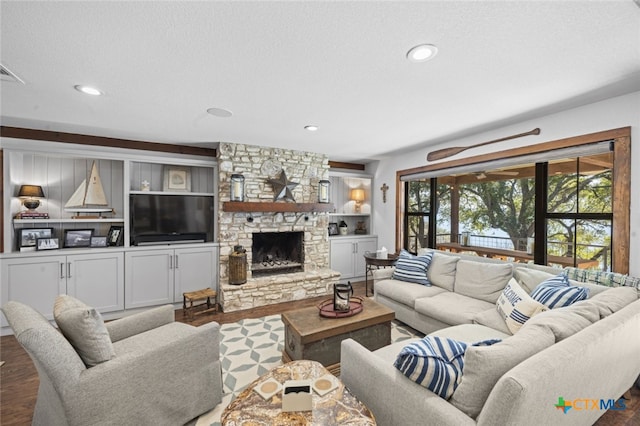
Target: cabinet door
pixel 194 270
pixel 97 280
pixel 342 251
pixel 149 278
pixel 362 246
pixel 34 281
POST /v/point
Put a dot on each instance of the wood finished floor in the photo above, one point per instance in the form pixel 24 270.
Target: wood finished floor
pixel 19 378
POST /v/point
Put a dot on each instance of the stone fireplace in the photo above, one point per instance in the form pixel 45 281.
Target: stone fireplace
pixel 277 253
pixel 287 252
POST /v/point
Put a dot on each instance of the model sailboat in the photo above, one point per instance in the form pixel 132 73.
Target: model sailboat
pixel 89 198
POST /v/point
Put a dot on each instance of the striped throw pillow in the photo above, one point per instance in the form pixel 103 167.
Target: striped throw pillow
pixel 433 362
pixel 412 268
pixel 556 292
pixel 515 306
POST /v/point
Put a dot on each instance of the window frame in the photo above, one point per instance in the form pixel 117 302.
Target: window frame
pixel 621 187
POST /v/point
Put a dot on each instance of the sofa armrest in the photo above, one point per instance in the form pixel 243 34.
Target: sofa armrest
pixel 393 398
pixel 382 274
pixel 165 377
pixel 139 323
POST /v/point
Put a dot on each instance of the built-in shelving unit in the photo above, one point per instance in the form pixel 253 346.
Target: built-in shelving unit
pixel 341 186
pixel 275 207
pixel 113 279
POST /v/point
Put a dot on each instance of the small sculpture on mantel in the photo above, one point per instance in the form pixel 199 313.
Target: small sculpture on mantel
pixel 361 228
pixel 282 187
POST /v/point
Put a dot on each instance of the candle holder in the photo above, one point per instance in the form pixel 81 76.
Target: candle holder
pixel 237 187
pixel 323 191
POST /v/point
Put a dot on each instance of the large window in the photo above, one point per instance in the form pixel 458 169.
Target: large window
pixel 579 210
pixel 557 209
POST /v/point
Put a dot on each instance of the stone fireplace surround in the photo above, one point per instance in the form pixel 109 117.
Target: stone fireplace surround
pixel 257 164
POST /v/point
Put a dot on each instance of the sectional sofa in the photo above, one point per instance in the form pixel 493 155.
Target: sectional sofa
pixel 583 356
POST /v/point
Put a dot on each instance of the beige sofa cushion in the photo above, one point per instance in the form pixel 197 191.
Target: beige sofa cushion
pixel 612 300
pixel 442 270
pixel 470 333
pixel 567 321
pixel 84 328
pixel 491 318
pixel 451 308
pixel 484 365
pixel 405 292
pixel 484 281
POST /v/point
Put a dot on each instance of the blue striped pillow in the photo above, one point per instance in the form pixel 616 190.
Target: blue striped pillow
pixel 556 292
pixel 412 268
pixel 433 362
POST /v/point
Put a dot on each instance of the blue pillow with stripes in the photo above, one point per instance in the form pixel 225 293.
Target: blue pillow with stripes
pixel 412 268
pixel 433 362
pixel 556 292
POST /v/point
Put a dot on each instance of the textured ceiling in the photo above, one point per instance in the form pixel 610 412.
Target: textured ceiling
pixel 282 65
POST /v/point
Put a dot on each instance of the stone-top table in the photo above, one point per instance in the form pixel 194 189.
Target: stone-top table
pixel 336 407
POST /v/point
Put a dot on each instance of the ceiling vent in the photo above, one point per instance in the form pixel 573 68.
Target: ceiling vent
pixel 7 75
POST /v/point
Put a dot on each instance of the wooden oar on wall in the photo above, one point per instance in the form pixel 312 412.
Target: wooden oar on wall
pixel 448 152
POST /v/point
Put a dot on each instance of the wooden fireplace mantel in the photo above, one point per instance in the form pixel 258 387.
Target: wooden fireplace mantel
pixel 276 207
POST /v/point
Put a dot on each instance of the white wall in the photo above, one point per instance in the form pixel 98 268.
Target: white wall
pixel 610 114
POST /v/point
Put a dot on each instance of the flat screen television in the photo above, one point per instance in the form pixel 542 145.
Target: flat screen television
pixel 170 219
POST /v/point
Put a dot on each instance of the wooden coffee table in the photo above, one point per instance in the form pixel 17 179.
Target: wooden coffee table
pixel 338 406
pixel 307 335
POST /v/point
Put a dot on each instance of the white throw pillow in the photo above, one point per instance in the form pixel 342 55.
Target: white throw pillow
pixel 84 328
pixel 516 306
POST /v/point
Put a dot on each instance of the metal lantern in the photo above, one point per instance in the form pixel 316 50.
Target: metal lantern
pixel 323 191
pixel 237 187
pixel 341 295
pixel 465 238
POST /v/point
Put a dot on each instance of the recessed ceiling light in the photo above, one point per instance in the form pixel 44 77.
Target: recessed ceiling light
pixel 311 128
pixel 220 112
pixel 88 90
pixel 422 52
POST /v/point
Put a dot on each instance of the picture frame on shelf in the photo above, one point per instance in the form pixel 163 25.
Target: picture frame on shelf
pixel 47 244
pixel 176 179
pixel 333 228
pixel 28 237
pixel 99 241
pixel 115 237
pixel 77 238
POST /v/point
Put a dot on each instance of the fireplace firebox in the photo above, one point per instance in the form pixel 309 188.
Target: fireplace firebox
pixel 277 253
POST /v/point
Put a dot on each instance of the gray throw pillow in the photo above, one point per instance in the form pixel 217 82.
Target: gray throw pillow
pixel 84 328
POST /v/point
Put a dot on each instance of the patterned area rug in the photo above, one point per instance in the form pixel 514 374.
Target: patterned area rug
pixel 251 347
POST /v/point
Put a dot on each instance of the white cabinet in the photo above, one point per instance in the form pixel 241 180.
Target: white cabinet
pixel 347 255
pixel 97 279
pixel 160 276
pixel 35 281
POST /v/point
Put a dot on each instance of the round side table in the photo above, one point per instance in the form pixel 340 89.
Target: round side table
pixel 372 262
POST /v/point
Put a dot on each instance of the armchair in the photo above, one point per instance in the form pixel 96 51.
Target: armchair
pixel 163 372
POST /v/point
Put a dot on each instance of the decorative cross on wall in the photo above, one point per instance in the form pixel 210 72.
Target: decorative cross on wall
pixel 384 189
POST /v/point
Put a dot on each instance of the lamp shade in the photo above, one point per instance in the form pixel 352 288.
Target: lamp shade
pixel 357 194
pixel 31 191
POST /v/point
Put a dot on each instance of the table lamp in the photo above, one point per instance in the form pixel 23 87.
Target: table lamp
pixel 357 195
pixel 30 195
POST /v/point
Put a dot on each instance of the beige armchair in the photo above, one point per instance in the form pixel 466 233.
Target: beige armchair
pixel 160 372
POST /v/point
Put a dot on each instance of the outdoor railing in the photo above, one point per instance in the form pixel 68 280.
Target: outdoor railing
pixel 595 252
